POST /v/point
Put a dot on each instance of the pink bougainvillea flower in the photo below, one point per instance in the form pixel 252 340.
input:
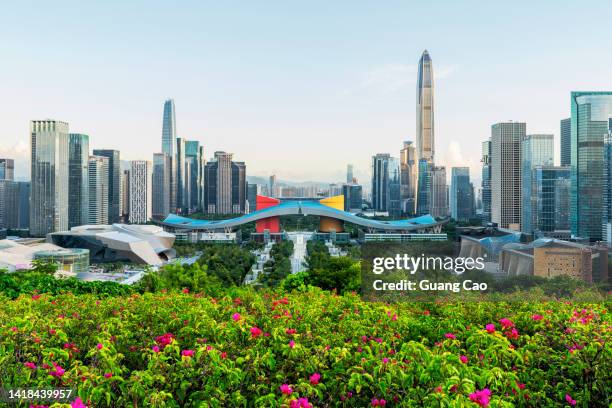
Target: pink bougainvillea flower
pixel 314 379
pixel 155 349
pixel 291 344
pixel 187 353
pixel 300 403
pixel 290 331
pixel 463 359
pixel 513 334
pixel 385 360
pixel 35 297
pixel 224 354
pixel 450 336
pixel 78 403
pixel 164 340
pixel 570 400
pixel 256 332
pixel 31 366
pixel 108 375
pixel 286 389
pixel 481 397
pixel 378 402
pixel 506 323
pixel 236 316
pixel 58 372
pixel 537 317
pixel 99 346
pixel 490 328
pixel 185 290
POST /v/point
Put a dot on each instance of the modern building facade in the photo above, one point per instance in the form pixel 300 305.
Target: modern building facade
pixel 606 222
pixel 140 192
pixel 349 174
pixel 225 185
pixel 591 112
pixel 423 187
pixel 78 188
pixel 506 174
pixel 566 141
pixel 182 174
pixel 386 184
pixel 425 109
pixel 7 169
pixel 461 194
pixel 408 178
pixel 49 173
pixel 114 182
pixel 194 158
pixel 551 186
pixel 438 192
pixel 169 147
pixel 125 196
pixel 486 182
pixel 161 185
pixel 14 204
pixel 98 169
pixel 353 197
pixel 536 150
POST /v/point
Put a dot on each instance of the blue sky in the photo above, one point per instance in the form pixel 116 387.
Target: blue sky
pixel 299 89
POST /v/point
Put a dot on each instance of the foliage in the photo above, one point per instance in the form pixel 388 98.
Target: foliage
pixel 185 277
pixel 229 263
pixel 267 349
pixel 327 272
pixel 279 267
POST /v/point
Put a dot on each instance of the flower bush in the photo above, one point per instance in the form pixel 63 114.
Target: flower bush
pixel 306 349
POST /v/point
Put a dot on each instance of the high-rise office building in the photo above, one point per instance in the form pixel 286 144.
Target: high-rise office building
pixel 49 172
pixel 425 109
pixel 125 196
pixel 506 177
pixel 114 183
pixel 606 222
pixel 14 204
pixel 78 188
pixel 272 187
pixel 7 169
pixel 252 191
pixel 195 160
pixel 408 178
pixel 225 185
pixel 566 141
pixel 486 182
pixel 182 172
pixel 423 199
pixel 536 150
pixel 349 174
pixel 386 184
pixel 140 192
pixel 161 186
pixel 439 192
pixel 551 199
pixel 169 147
pixel 591 113
pixel 461 194
pixel 98 173
pixel 353 197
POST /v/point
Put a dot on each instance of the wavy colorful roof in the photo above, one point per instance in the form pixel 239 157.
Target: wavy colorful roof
pixel 303 208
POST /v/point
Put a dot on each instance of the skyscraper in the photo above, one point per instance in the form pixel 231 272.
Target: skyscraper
pixel 606 222
pixel 536 150
pixel 461 194
pixel 438 192
pixel 239 184
pixel 140 191
pixel 98 169
pixel 225 185
pixel 49 172
pixel 349 174
pixel 195 159
pixel 353 197
pixel 125 196
pixel 181 176
pixel 408 178
pixel 386 184
pixel 14 204
pixel 7 169
pixel 423 199
pixel 591 112
pixel 566 141
pixel 506 177
pixel 551 199
pixel 169 147
pixel 78 188
pixel 425 109
pixel 114 183
pixel 486 181
pixel 161 186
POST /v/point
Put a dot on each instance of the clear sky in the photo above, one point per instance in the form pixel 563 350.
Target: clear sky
pixel 299 89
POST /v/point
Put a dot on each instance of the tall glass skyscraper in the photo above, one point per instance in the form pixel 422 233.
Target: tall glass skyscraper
pixel 537 150
pixel 408 178
pixel 566 141
pixel 461 194
pixel 551 199
pixel 606 222
pixel 591 113
pixel 486 181
pixel 423 187
pixel 161 186
pixel 169 147
pixel 98 189
pixel 425 109
pixel 49 172
pixel 386 183
pixel 7 169
pixel 78 188
pixel 114 183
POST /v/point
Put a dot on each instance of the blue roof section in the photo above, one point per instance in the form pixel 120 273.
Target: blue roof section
pixel 304 208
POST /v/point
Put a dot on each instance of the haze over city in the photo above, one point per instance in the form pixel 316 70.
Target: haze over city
pixel 338 86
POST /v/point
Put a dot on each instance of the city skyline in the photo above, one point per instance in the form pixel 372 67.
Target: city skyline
pixel 362 88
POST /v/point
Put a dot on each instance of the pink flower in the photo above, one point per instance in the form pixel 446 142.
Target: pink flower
pixel 314 379
pixel 164 340
pixel 450 336
pixel 291 344
pixel 224 354
pixel 290 331
pixel 286 389
pixel 570 400
pixel 78 403
pixel 58 372
pixel 185 290
pixel 537 317
pixel 256 332
pixel 378 402
pixel 513 334
pixel 506 323
pixel 155 349
pixel 481 397
pixel 31 366
pixel 490 328
pixel 187 353
pixel 385 360
pixel 300 403
pixel 108 375
pixel 236 316
pixel 463 359
pixel 99 346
